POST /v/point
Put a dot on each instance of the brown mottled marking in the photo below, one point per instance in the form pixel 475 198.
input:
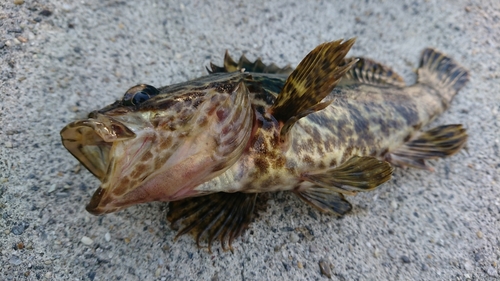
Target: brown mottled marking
pixel 347 154
pixel 261 164
pixel 122 187
pixel 318 72
pixel 279 162
pixel 166 143
pixel 308 160
pixel 384 152
pixel 202 122
pixel 407 138
pixel 147 156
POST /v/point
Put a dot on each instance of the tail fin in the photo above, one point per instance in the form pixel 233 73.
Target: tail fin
pixel 441 72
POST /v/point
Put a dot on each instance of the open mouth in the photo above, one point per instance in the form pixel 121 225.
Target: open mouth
pixel 90 141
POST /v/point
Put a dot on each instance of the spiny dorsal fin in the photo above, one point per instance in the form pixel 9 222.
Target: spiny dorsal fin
pixel 313 79
pixel 368 71
pixel 257 66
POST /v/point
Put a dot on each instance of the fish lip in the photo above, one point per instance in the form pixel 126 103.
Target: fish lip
pixel 90 140
pixel 93 206
pixel 97 206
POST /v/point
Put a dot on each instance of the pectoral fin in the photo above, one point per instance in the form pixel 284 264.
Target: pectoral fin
pixel 223 216
pixel 312 80
pixel 439 142
pixel 325 200
pixel 356 174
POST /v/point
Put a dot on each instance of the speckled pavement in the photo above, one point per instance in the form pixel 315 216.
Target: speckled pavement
pixel 62 59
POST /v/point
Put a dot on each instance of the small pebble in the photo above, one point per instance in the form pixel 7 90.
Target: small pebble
pixel 479 234
pixel 19 228
pixel 8 144
pixel 313 249
pixel 324 266
pixel 107 237
pixel 405 259
pixel 478 257
pixel 300 265
pixel 22 39
pixel 18 2
pixel 15 260
pixel 86 240
pixel 392 253
pixel 492 271
pixel 48 275
pixel 394 204
pixel 45 13
pixel 294 237
pixel 468 266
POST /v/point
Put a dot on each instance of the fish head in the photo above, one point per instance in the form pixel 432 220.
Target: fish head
pixel 158 145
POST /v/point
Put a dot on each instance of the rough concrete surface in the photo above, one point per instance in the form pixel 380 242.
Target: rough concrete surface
pixel 61 59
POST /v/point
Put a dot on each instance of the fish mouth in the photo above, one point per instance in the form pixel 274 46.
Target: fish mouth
pixel 97 205
pixel 90 141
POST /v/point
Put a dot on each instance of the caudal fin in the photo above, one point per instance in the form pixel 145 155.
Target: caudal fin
pixel 442 73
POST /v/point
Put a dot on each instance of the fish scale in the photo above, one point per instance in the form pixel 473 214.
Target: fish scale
pixel 212 146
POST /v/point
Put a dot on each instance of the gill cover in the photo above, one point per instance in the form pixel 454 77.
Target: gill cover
pixel 154 162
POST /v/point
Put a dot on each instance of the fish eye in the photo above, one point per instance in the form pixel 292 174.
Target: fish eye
pixel 139 94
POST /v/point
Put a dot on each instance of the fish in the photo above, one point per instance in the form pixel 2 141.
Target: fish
pixel 214 146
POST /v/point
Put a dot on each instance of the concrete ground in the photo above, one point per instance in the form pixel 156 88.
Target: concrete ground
pixel 60 59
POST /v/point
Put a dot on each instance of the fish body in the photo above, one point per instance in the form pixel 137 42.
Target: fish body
pixel 331 127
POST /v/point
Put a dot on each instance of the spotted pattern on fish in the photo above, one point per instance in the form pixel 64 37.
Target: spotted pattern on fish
pixel 327 129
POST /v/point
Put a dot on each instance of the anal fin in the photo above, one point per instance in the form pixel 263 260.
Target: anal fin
pixel 325 200
pixel 438 142
pixel 359 173
pixel 222 216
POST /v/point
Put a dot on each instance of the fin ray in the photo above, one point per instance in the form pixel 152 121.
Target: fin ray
pixel 218 216
pixel 439 142
pixel 356 174
pixel 325 200
pixel 243 63
pixel 441 72
pixel 313 79
pixel 368 71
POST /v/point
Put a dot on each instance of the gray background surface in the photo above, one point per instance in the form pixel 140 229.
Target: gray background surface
pixel 56 67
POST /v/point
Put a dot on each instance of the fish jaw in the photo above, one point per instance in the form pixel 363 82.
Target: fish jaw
pixel 174 181
pixel 150 160
pixel 90 141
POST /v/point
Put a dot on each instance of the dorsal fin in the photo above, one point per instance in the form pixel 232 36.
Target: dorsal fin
pixel 368 71
pixel 257 66
pixel 313 79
